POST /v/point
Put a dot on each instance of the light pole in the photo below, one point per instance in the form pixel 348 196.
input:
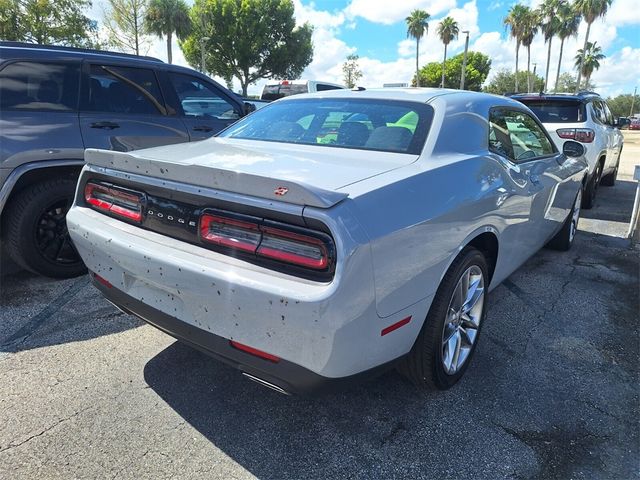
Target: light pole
pixel 633 101
pixel 464 60
pixel 535 65
pixel 202 64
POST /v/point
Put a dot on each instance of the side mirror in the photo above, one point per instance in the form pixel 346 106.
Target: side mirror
pixel 248 108
pixel 572 149
pixel 616 122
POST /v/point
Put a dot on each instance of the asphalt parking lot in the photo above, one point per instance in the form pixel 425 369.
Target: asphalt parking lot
pixel 88 392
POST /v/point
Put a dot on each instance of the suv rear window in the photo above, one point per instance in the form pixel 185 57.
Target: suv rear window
pixel 382 125
pixel 39 86
pixel 557 111
pixel 274 92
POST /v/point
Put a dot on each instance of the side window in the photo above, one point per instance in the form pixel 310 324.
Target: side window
pixel 39 86
pixel 124 90
pixel 199 99
pixel 516 135
pixel 608 113
pixel 598 111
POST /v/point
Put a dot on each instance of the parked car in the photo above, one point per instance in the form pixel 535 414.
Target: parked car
pixel 54 103
pixel 583 117
pixel 306 263
pixel 284 88
pixel 634 124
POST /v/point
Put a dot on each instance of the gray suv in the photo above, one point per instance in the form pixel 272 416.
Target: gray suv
pixel 54 103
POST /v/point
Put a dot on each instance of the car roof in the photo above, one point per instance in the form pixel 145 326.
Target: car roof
pixel 580 96
pixel 9 50
pixel 411 94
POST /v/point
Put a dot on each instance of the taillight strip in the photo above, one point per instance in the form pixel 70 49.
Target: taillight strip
pixel 107 199
pixel 254 237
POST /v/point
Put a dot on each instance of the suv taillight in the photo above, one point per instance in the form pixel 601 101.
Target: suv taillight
pixel 120 203
pixel 291 245
pixel 584 135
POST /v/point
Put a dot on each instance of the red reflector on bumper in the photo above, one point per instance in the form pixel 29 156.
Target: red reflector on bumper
pixel 395 326
pixel 254 351
pixel 103 281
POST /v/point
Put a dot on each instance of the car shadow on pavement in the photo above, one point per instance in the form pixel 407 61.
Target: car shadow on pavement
pixel 36 312
pixel 550 392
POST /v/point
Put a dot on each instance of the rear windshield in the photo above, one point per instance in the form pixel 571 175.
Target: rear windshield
pixel 382 125
pixel 274 92
pixel 557 111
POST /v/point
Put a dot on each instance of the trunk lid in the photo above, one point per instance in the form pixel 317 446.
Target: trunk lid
pixel 299 174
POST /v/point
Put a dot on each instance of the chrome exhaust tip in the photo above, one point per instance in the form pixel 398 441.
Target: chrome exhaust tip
pixel 264 383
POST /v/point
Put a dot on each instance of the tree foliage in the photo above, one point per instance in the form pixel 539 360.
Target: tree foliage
pixel 621 105
pixel 351 71
pixel 590 11
pixel 249 40
pixel 478 67
pixel 124 22
pixel 504 81
pixel 163 18
pixel 589 60
pixel 48 22
pixel 447 31
pixel 567 83
pixel 417 27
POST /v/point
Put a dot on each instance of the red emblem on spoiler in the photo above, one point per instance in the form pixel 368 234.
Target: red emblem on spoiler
pixel 281 191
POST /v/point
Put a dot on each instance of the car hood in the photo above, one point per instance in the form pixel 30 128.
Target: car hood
pixel 300 174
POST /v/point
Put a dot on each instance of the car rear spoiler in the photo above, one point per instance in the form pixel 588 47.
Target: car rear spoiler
pixel 281 190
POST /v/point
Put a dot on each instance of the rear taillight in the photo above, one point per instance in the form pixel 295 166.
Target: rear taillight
pixel 285 244
pixel 116 201
pixel 584 135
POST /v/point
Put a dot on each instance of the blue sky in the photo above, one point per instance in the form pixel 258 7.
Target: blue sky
pixel 375 30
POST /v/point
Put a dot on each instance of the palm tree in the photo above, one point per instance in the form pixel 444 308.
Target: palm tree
pixel 417 27
pixel 166 17
pixel 514 21
pixel 590 11
pixel 447 30
pixel 589 60
pixel 530 25
pixel 549 26
pixel 568 23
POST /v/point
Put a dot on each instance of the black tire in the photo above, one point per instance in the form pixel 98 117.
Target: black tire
pixel 563 240
pixel 423 365
pixel 589 194
pixel 35 230
pixel 609 180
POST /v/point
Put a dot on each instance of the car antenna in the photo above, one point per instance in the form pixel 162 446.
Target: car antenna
pixel 358 89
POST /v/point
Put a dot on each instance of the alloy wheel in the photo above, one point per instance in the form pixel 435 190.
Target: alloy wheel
pixel 52 237
pixel 463 318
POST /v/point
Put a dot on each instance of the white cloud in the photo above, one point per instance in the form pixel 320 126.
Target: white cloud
pixel 623 12
pixel 385 12
pixel 618 71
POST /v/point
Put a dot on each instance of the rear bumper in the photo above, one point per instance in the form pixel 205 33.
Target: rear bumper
pixel 283 376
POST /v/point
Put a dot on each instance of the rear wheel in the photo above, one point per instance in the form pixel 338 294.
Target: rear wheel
pixel 589 195
pixel 449 336
pixel 564 238
pixel 36 233
pixel 609 180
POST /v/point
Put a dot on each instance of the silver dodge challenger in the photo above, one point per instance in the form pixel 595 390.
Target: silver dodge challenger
pixel 328 237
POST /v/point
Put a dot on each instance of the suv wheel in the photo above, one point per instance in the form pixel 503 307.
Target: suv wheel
pixel 609 180
pixel 589 196
pixel 36 229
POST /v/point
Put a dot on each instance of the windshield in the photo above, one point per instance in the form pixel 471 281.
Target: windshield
pixel 557 111
pixel 382 125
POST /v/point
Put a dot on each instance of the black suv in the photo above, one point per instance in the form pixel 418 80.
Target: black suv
pixel 55 102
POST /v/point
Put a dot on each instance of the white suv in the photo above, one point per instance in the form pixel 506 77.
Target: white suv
pixel 585 118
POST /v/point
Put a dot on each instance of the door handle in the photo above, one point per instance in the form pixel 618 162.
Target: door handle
pixel 202 128
pixel 105 125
